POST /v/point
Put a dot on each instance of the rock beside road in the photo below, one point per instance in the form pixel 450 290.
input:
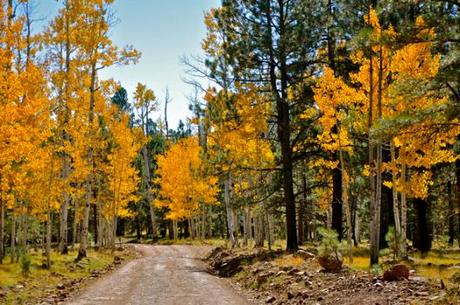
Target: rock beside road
pixel 280 279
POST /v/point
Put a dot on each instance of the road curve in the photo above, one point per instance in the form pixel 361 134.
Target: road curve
pixel 165 275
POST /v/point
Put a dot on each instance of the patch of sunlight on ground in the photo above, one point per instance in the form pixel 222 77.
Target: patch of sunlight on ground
pixel 436 272
pixel 434 265
pixel 194 242
pixel 437 258
pixel 359 263
pixel 289 260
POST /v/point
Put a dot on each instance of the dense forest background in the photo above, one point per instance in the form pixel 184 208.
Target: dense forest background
pixel 339 114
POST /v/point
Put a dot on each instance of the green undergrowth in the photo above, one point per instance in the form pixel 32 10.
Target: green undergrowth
pixel 18 288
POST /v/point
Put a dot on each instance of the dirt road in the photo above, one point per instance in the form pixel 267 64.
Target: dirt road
pixel 165 275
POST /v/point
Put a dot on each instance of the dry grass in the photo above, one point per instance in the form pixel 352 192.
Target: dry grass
pixel 359 263
pixel 41 281
pixel 195 242
pixel 289 261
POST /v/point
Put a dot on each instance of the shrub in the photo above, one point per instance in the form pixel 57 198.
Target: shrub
pixel 25 262
pixel 394 241
pixel 329 250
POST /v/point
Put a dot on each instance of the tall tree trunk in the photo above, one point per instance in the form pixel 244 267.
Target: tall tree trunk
pixel 357 222
pixel 270 229
pixel 301 226
pixel 373 209
pixel 451 214
pixel 100 225
pixel 337 209
pixel 203 222
pixel 283 122
pixel 457 191
pixel 228 208
pixel 96 227
pixel 148 191
pixel 89 183
pixel 75 223
pixel 347 205
pixel 375 171
pixel 114 233
pixel 63 216
pixel 171 230
pixel 259 230
pixel 247 226
pixel 423 234
pixel 300 222
pixel 404 213
pixel 2 227
pixel 386 202
pixel 48 238
pixel 63 225
pixel 13 236
pixel 396 211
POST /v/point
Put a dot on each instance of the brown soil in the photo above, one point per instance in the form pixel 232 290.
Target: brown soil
pixel 273 282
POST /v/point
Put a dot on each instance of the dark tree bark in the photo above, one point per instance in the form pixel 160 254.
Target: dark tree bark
pixel 423 234
pixel 386 211
pixel 121 227
pixel 283 123
pixel 386 215
pixel 2 228
pixel 95 224
pixel 451 214
pixel 171 230
pixel 301 211
pixel 337 208
pixel 457 193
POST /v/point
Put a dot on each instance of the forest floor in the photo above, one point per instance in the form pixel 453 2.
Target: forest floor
pixel 178 274
pixel 42 286
pixel 273 277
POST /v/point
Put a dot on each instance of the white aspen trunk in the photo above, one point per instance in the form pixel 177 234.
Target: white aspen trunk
pixel 20 234
pixel 236 224
pixel 48 239
pixel 85 222
pixel 203 223
pixel 89 183
pixel 99 228
pixel 396 210
pixel 175 229
pixel 271 229
pixel 258 230
pixel 63 216
pixel 13 237
pixel 64 209
pixel 346 203
pixel 113 236
pixel 247 226
pixel 75 223
pixel 25 232
pixel 403 213
pixel 190 228
pixel 358 221
pixel 148 190
pixel 209 215
pixel 229 211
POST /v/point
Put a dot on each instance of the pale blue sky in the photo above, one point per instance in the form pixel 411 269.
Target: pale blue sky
pixel 163 30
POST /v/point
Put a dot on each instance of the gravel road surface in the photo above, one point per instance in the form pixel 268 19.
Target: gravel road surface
pixel 165 275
